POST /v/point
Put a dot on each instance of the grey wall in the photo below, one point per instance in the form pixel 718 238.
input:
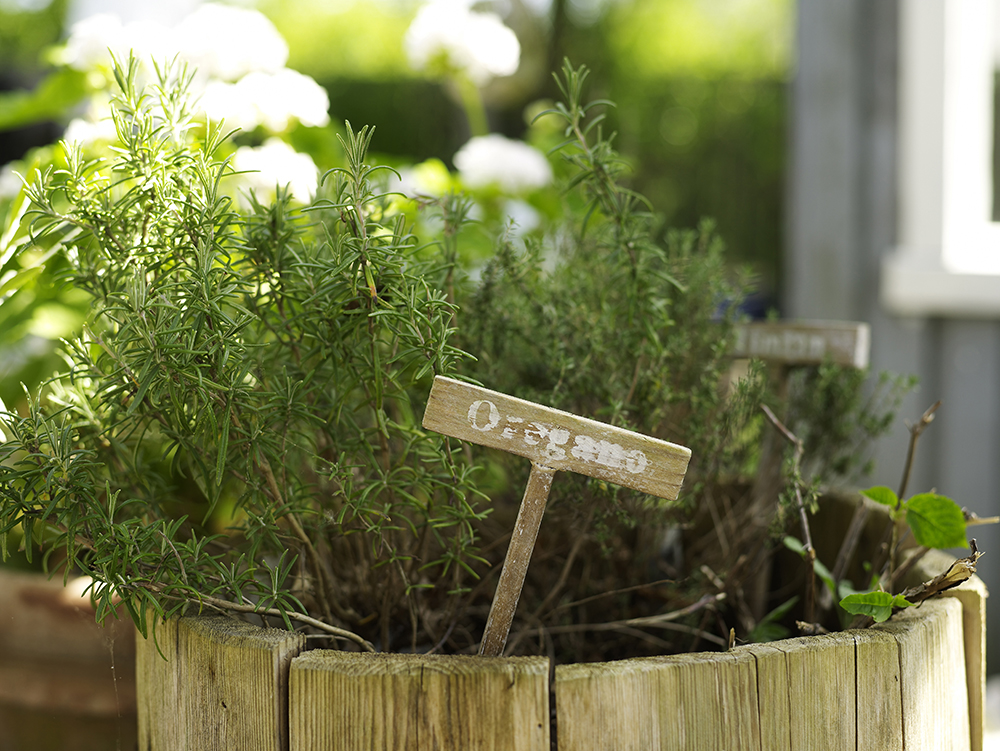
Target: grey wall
pixel 842 221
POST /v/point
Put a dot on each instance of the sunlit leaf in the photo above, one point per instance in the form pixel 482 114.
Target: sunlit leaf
pixel 936 521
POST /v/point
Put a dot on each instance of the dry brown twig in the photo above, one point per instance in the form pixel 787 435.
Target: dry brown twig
pixel 810 602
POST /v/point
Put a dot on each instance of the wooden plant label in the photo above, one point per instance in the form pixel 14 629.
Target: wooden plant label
pixel 553 440
pixel 805 342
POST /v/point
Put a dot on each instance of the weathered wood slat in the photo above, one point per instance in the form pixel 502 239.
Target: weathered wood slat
pixel 223 686
pixel 343 701
pixel 900 685
pixel 709 701
pixel 159 675
pixel 972 594
pixel 607 692
pixel 821 691
pixel 932 675
pixel 879 703
pixel 772 683
pixel 913 682
pixel 703 701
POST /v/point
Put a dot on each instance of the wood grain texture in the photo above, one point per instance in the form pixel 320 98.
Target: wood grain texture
pixel 879 696
pixel 709 701
pixel 805 342
pixel 555 439
pixel 773 699
pixel 223 686
pixel 821 690
pixel 972 594
pixel 817 692
pixel 935 704
pixel 901 685
pixel 343 701
pixel 609 705
pixel 693 701
pixel 158 670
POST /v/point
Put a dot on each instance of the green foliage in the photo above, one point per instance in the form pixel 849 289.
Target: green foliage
pixel 878 605
pixel 824 574
pixel 51 99
pixel 769 628
pixel 239 424
pixel 657 37
pixel 611 322
pixel 837 415
pixel 242 401
pixel 882 494
pixel 25 31
pixel 936 521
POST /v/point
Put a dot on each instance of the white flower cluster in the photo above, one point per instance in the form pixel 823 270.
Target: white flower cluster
pixel 222 41
pixel 238 54
pixel 447 35
pixel 239 61
pixel 513 166
pixel 273 100
pixel 274 164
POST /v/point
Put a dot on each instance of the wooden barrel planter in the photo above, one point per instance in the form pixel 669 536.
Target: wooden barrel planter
pixel 66 684
pixel 914 682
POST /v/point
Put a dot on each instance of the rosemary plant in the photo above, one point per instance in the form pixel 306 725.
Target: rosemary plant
pixel 237 424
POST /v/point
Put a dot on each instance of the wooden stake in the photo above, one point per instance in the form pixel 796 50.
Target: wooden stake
pixel 784 345
pixel 553 440
pixel 515 565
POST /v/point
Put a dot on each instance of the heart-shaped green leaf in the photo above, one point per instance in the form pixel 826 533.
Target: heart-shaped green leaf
pixel 936 521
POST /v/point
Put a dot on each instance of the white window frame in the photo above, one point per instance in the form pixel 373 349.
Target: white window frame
pixel 947 262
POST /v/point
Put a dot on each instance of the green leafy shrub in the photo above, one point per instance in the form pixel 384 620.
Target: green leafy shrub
pixel 238 427
pixel 258 372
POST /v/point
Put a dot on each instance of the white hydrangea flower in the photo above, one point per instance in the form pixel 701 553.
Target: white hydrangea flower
pixel 10 185
pixel 85 132
pixel 91 38
pixel 221 41
pixel 449 32
pixel 269 99
pixel 225 45
pixel 513 166
pixel 228 43
pixel 524 216
pixel 275 163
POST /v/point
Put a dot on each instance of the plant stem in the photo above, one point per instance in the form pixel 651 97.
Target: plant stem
pixel 237 607
pixel 472 102
pixel 810 603
pixel 915 430
pixel 886 567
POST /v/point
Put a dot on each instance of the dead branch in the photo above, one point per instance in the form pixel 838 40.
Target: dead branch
pixel 810 603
